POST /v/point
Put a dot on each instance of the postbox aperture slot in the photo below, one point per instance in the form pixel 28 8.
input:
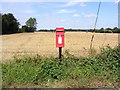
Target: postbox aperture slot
pixel 59 31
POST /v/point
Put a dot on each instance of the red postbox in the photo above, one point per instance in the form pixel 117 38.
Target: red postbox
pixel 59 37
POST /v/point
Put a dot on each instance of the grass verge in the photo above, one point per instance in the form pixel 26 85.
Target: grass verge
pixel 99 71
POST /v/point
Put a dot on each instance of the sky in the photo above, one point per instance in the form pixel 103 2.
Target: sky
pixel 67 14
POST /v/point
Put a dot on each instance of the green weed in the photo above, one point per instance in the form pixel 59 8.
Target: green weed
pixel 83 71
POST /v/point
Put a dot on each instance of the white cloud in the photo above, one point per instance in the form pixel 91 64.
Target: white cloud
pixel 65 11
pixel 18 0
pixel 71 4
pixel 44 0
pixel 78 21
pixel 62 20
pixel 90 15
pixel 118 1
pixel 83 5
pixel 57 0
pixel 46 15
pixel 76 15
pixel 79 0
pixel 27 11
pixel 83 13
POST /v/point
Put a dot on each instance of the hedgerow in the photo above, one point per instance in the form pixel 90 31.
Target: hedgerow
pixel 39 70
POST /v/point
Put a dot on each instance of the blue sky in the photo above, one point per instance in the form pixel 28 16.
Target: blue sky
pixel 50 15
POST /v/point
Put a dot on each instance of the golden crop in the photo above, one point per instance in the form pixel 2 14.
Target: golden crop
pixel 43 43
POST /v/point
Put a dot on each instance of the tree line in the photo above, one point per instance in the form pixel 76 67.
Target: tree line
pixel 11 25
pixel 101 30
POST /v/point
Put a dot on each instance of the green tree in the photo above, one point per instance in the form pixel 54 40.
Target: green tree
pixel 24 28
pixel 108 29
pixel 115 28
pixel 0 23
pixel 31 24
pixel 9 24
pixel 102 29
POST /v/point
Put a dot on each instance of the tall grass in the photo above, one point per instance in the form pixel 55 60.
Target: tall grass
pixel 89 72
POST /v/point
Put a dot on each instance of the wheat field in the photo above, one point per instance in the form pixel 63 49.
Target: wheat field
pixel 44 43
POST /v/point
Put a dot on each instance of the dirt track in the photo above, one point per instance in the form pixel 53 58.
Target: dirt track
pixel 43 43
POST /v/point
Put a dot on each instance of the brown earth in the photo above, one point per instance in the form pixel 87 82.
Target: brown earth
pixel 43 43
